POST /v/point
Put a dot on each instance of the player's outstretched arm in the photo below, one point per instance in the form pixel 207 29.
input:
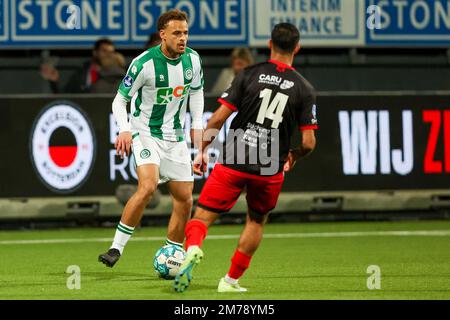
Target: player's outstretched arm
pixel 305 148
pixel 212 130
pixel 215 124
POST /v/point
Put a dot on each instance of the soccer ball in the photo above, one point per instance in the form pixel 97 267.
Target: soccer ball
pixel 168 260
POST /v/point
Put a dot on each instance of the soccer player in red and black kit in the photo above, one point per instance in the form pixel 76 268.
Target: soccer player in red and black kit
pixel 271 100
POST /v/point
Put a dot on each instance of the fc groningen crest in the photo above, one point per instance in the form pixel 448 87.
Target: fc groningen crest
pixel 145 154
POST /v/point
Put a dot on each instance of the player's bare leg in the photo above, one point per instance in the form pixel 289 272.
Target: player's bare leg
pixel 181 193
pixel 205 216
pixel 248 243
pixel 148 176
pixel 196 230
pixel 252 234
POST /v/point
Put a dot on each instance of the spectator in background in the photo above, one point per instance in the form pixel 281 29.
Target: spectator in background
pixel 83 79
pixel 154 39
pixel 112 70
pixel 241 58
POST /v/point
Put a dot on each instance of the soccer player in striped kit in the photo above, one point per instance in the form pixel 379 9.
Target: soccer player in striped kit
pixel 158 84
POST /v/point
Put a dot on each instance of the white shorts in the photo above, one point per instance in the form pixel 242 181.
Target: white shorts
pixel 173 158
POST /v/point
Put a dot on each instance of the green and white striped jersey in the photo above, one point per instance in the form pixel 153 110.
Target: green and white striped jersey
pixel 158 88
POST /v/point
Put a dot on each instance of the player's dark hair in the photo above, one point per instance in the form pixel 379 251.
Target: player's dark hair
pixel 101 42
pixel 170 15
pixel 285 37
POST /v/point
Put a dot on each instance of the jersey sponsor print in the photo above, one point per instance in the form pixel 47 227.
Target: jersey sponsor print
pixel 271 100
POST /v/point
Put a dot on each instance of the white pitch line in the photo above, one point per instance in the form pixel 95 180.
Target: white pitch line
pixel 420 233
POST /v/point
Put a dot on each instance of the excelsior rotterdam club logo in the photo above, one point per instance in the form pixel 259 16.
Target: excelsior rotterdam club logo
pixel 62 147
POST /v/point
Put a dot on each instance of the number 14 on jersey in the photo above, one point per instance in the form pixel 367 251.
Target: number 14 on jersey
pixel 272 110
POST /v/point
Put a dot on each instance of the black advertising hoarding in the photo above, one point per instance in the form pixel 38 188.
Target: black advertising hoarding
pixel 64 146
pixel 379 142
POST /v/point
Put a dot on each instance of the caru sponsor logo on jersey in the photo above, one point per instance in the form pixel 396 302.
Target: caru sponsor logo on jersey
pixel 270 79
pixel 165 95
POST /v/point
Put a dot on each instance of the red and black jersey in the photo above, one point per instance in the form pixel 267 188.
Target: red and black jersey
pixel 271 100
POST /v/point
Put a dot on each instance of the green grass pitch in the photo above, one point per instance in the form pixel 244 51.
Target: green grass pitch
pixel 295 261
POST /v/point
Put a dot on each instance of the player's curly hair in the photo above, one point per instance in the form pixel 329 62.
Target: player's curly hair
pixel 170 15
